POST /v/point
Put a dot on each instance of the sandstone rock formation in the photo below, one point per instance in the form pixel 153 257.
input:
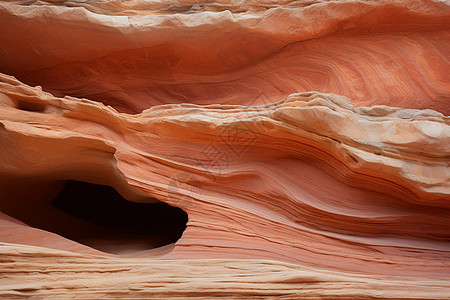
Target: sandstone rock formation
pixel 303 148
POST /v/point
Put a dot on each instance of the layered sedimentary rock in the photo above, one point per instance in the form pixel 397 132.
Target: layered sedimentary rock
pixel 136 54
pixel 306 145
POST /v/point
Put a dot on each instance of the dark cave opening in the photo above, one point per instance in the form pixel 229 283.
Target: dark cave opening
pixel 113 224
pixel 92 215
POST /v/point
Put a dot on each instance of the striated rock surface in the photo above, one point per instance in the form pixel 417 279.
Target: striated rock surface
pixel 303 148
pixel 135 54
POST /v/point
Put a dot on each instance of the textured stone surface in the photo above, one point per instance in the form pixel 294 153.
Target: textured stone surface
pixel 373 52
pixel 339 192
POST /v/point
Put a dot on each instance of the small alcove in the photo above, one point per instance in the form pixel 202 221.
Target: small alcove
pixel 99 217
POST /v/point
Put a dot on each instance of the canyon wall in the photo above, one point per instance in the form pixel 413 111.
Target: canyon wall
pixel 290 149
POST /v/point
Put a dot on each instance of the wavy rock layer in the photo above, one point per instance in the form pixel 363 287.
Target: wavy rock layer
pixel 374 52
pixel 312 196
pixel 275 182
pixel 77 276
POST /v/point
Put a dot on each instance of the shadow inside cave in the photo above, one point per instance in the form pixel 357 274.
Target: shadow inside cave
pixel 119 224
pixel 99 217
